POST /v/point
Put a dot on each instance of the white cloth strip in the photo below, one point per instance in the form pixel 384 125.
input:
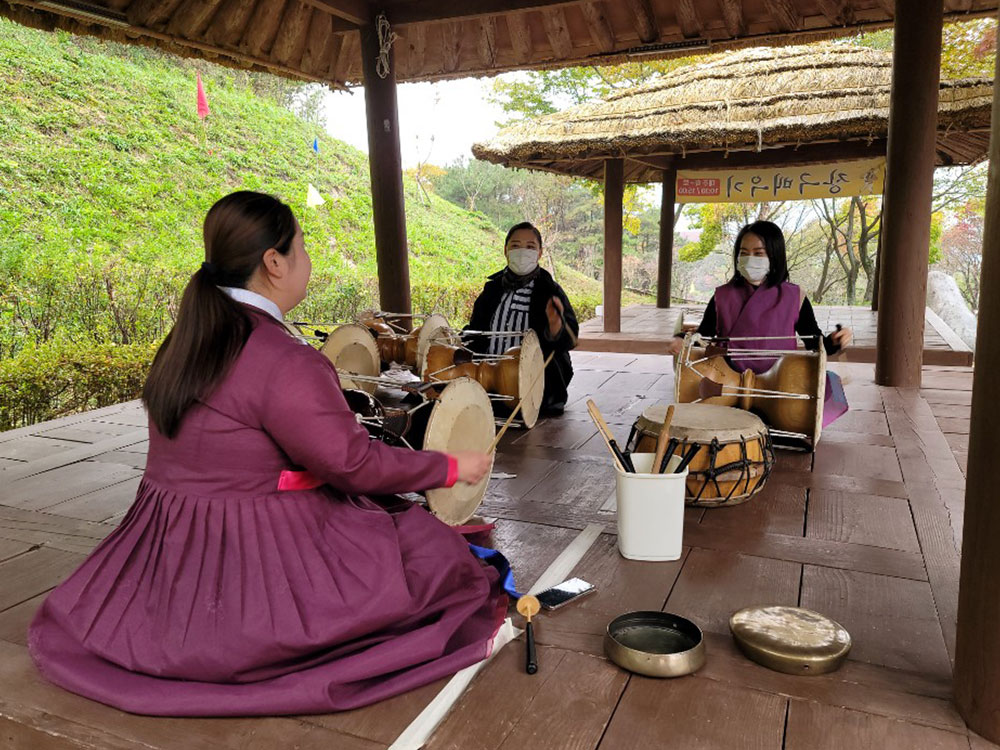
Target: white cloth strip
pixel 416 735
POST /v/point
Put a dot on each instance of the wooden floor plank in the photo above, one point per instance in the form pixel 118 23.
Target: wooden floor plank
pixel 32 448
pixel 14 620
pixel 875 462
pixel 813 726
pixel 67 457
pixel 868 422
pixel 905 696
pixel 101 504
pixel 45 710
pixel 861 519
pixel 892 621
pixel 713 584
pixel 566 704
pixel 64 483
pixel 28 575
pixel 777 509
pixel 695 714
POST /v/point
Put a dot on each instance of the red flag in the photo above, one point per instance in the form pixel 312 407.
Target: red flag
pixel 202 100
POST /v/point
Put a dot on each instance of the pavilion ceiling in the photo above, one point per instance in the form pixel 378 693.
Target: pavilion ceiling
pixel 319 40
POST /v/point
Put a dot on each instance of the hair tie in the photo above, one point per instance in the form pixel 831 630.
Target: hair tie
pixel 208 268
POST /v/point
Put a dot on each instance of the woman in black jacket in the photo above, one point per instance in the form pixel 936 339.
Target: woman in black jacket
pixel 521 296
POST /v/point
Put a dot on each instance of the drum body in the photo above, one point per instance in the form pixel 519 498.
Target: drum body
pixel 706 378
pixel 460 417
pixel 518 375
pixel 733 454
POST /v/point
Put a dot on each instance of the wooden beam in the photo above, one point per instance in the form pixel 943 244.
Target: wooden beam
pixel 356 12
pixel 151 14
pixel 837 12
pixel 977 648
pixel 906 217
pixel 416 40
pixel 263 27
pixel 346 56
pixel 228 24
pixel 614 192
pixel 732 17
pixel 687 19
pixel 321 44
pixel 554 22
pixel 451 45
pixel 386 168
pixel 488 41
pixel 520 37
pixel 786 16
pixel 888 7
pixel 644 20
pixel 429 11
pixel 665 260
pixel 290 43
pixel 192 17
pixel 597 22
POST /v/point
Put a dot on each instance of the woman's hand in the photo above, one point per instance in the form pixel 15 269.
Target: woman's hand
pixel 675 345
pixel 842 337
pixel 472 466
pixel 554 312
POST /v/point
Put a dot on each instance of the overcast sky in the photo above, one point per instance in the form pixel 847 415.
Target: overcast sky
pixel 438 122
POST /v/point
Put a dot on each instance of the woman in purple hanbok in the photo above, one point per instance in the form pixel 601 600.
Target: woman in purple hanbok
pixel 265 567
pixel 760 301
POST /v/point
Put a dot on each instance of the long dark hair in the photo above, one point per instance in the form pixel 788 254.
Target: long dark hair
pixel 774 244
pixel 211 327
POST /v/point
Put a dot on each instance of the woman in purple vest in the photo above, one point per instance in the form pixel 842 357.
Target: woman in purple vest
pixel 266 566
pixel 760 301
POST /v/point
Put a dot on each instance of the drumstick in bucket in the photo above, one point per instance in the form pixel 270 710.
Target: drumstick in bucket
pixel 662 440
pixel 496 440
pixel 668 454
pixel 687 458
pixel 602 427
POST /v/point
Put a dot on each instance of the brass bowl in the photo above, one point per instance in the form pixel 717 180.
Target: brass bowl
pixel 656 644
pixel 790 639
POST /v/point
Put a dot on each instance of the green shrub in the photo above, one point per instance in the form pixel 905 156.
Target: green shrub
pixel 62 377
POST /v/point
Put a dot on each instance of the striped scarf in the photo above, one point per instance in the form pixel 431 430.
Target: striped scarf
pixel 511 315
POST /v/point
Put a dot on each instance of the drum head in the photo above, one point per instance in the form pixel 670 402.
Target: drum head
pixel 531 378
pixel 435 330
pixel 700 423
pixel 462 419
pixel 820 396
pixel 352 349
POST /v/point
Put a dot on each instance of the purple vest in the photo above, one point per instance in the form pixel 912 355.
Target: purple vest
pixel 744 311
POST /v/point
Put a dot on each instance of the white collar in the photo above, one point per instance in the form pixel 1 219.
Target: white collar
pixel 256 300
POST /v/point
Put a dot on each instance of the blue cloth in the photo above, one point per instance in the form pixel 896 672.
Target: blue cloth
pixel 497 560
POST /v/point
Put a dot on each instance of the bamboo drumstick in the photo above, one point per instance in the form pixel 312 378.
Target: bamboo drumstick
pixel 602 427
pixel 662 440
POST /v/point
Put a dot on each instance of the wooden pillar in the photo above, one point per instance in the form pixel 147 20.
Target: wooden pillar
pixel 906 217
pixel 665 266
pixel 977 650
pixel 878 273
pixel 614 195
pixel 386 168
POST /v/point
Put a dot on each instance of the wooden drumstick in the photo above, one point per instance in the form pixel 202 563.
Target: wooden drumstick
pixel 496 440
pixel 528 606
pixel 602 427
pixel 662 440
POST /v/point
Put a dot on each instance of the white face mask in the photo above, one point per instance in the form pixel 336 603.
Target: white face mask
pixel 753 268
pixel 522 260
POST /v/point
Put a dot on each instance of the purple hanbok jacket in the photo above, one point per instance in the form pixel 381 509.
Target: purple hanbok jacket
pixel 220 595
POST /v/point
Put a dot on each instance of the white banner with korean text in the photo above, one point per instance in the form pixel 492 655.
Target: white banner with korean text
pixel 834 180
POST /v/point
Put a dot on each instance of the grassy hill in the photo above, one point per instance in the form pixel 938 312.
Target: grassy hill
pixel 105 177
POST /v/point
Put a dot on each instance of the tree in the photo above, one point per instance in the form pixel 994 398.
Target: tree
pixel 962 251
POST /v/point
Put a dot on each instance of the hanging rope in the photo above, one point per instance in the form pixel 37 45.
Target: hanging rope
pixel 386 37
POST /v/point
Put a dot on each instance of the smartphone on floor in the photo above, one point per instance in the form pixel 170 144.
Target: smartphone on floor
pixel 563 593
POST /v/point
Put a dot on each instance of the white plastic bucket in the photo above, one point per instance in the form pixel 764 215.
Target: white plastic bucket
pixel 650 510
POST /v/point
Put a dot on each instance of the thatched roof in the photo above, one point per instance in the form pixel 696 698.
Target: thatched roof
pixel 319 39
pixel 752 100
